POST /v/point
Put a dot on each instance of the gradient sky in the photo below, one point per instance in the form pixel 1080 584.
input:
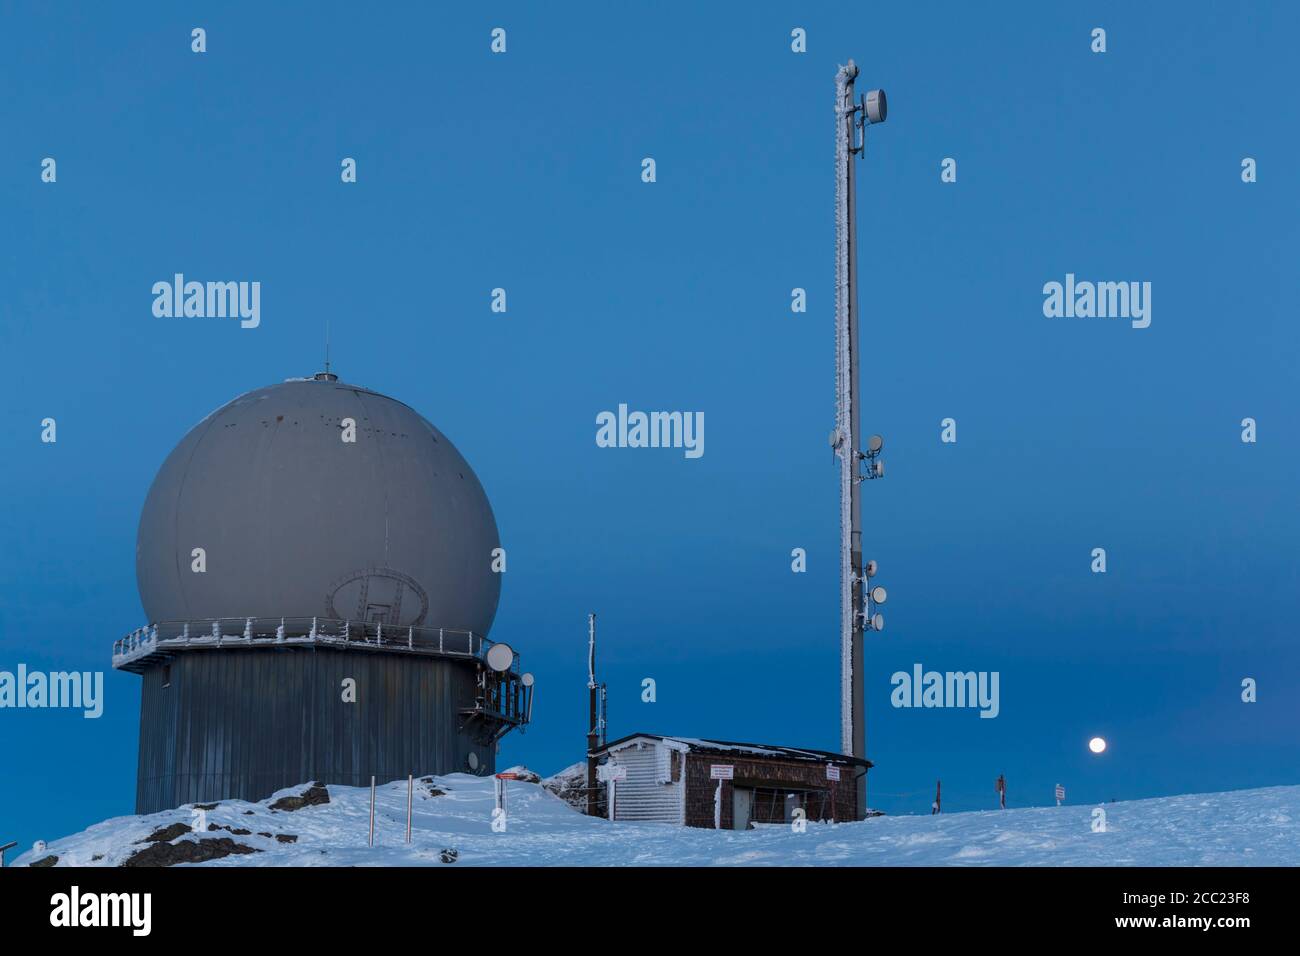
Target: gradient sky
pixel 523 171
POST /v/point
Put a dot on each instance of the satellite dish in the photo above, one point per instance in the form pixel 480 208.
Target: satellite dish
pixel 875 443
pixel 878 594
pixel 871 569
pixel 526 680
pixel 877 622
pixel 472 759
pixel 835 438
pixel 500 657
pixel 877 106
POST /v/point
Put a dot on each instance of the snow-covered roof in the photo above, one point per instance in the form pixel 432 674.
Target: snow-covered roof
pixel 704 745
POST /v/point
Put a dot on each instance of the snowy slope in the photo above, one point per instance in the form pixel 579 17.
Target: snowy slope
pixel 1247 827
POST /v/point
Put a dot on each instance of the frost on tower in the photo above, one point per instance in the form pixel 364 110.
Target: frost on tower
pixel 851 120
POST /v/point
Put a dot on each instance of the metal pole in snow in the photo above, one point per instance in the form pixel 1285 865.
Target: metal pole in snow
pixel 410 792
pixel 372 811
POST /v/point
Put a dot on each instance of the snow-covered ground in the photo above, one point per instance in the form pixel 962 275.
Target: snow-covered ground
pixel 1246 827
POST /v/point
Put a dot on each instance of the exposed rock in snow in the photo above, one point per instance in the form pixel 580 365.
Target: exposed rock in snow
pixel 313 796
pixel 201 850
pixel 570 785
pixel 167 834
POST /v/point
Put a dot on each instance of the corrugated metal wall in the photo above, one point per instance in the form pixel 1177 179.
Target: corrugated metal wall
pixel 648 793
pixel 245 723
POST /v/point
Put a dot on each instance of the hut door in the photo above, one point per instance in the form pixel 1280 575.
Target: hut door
pixel 742 807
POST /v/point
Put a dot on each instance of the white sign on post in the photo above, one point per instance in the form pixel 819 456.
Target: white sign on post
pixel 611 772
pixel 832 772
pixel 722 771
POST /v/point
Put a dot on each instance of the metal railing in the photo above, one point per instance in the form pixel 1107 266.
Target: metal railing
pixel 262 631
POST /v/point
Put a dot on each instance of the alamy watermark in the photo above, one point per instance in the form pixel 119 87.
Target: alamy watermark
pixel 1103 300
pixel 923 688
pixel 74 689
pixel 651 430
pixel 209 300
pixel 75 908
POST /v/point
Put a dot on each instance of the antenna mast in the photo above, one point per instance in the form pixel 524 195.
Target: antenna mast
pixel 850 138
pixel 595 717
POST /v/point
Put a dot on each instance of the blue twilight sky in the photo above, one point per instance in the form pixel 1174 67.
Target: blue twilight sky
pixel 523 171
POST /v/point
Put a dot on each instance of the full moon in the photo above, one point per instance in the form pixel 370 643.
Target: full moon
pixel 1096 745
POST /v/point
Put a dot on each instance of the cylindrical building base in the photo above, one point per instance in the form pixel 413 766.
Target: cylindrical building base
pixel 242 724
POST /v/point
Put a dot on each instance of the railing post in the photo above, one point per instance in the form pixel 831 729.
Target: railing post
pixel 248 629
pixel 372 811
pixel 313 628
pixel 379 629
pixel 410 790
pixel 410 638
pixel 439 640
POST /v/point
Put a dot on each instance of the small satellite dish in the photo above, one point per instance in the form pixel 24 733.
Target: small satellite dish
pixel 527 680
pixel 877 622
pixel 878 594
pixel 875 443
pixel 835 438
pixel 500 657
pixel 472 759
pixel 877 106
pixel 871 569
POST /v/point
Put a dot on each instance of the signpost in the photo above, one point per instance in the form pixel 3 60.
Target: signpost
pixel 720 772
pixel 1060 794
pixel 611 773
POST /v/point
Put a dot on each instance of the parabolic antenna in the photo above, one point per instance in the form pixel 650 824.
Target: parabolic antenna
pixel 527 680
pixel 871 569
pixel 875 443
pixel 878 594
pixel 877 106
pixel 877 622
pixel 500 657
